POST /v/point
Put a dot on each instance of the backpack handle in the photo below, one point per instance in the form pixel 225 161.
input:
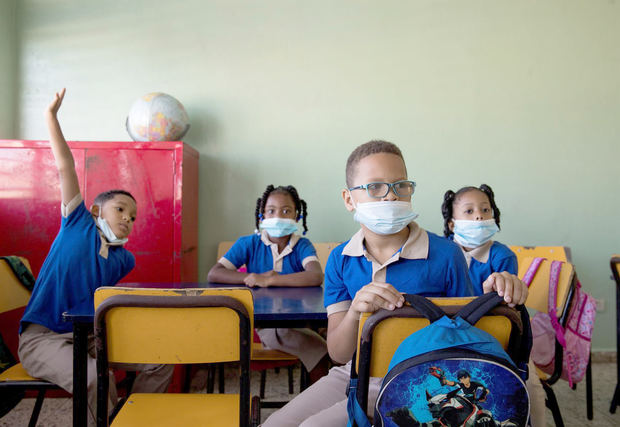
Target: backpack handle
pixel 479 307
pixel 425 307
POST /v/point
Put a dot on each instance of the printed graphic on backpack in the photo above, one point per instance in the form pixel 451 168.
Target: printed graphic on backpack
pixel 457 392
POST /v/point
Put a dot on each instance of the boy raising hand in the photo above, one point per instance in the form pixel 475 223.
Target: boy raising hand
pixel 87 253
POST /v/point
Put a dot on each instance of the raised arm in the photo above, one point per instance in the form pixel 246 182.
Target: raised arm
pixel 69 185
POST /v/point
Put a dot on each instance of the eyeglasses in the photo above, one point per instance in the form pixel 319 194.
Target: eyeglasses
pixel 379 190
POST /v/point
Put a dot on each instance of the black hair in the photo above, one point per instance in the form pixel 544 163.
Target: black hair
pixel 451 196
pixel 462 373
pixel 109 195
pixel 371 147
pixel 301 209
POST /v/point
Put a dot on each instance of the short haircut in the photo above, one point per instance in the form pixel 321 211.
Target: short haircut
pixel 109 195
pixel 462 373
pixel 371 147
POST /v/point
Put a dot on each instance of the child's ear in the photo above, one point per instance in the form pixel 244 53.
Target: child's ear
pixel 451 225
pixel 348 201
pixel 94 210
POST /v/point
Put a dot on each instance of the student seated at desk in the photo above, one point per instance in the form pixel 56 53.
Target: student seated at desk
pixel 471 219
pixel 390 254
pixel 87 253
pixel 278 257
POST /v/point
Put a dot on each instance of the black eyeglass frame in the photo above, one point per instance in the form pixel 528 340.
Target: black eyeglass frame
pixel 390 186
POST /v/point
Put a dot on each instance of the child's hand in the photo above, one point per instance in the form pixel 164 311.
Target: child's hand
pixel 508 286
pixel 53 108
pixel 376 295
pixel 261 280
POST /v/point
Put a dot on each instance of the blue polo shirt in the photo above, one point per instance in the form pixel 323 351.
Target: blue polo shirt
pixel 75 266
pixel 492 257
pixel 426 265
pixel 259 254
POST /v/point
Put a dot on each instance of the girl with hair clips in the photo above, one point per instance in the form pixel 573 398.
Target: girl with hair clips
pixel 276 256
pixel 471 219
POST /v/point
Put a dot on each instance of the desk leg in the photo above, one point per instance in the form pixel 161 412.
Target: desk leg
pixel 80 389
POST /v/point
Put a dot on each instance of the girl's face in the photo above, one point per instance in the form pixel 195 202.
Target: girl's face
pixel 473 205
pixel 280 205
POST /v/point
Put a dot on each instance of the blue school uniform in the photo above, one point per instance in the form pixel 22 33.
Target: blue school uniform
pixel 488 258
pixel 426 265
pixel 75 266
pixel 260 255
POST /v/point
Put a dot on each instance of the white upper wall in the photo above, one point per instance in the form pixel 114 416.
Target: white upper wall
pixel 8 68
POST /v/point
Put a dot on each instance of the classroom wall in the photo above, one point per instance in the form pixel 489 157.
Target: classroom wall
pixel 8 67
pixel 524 96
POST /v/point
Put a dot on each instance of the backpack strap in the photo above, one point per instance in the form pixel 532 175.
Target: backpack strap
pixel 425 307
pixel 531 271
pixel 554 276
pixel 474 311
pixel 22 273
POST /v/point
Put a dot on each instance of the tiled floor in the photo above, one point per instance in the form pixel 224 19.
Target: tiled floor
pixel 57 412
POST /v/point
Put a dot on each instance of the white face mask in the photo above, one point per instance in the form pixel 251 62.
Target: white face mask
pixel 108 233
pixel 472 234
pixel 384 217
pixel 278 227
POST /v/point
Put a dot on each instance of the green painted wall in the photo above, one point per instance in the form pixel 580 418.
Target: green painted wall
pixel 8 67
pixel 523 96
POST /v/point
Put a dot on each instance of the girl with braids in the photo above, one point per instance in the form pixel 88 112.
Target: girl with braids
pixel 276 256
pixel 471 219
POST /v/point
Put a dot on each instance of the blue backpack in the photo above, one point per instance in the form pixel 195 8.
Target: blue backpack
pixel 449 373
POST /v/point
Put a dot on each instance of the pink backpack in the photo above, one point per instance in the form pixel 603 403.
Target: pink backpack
pixel 575 339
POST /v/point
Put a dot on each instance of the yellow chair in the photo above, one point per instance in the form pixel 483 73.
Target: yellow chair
pixel 174 326
pixel 552 253
pixel 13 299
pixel 537 299
pixel 380 334
pixel 262 358
pixel 323 249
pixel 615 270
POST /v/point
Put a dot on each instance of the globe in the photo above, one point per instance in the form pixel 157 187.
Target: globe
pixel 157 117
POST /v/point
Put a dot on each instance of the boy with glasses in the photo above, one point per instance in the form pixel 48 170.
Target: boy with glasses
pixel 390 254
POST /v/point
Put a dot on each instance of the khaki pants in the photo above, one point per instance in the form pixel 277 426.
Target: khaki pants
pixel 324 404
pixel 306 344
pixel 48 355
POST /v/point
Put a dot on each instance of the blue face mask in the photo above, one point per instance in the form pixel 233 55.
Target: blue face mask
pixel 471 234
pixel 278 227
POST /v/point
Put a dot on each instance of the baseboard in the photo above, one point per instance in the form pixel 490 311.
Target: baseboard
pixel 604 357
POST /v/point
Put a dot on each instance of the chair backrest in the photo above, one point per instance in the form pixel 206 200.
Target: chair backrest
pixel 615 268
pixel 552 253
pixel 172 325
pixel 13 300
pixel 223 247
pixel 390 332
pixel 539 288
pixel 323 250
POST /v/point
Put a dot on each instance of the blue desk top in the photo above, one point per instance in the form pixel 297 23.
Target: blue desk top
pixel 270 304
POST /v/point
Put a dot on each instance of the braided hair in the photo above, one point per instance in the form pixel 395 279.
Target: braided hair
pixel 450 196
pixel 301 209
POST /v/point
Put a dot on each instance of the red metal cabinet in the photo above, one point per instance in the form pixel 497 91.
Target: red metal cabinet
pixel 162 176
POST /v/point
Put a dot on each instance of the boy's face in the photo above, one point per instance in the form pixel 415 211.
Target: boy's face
pixel 120 213
pixel 473 205
pixel 279 205
pixel 466 381
pixel 380 167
